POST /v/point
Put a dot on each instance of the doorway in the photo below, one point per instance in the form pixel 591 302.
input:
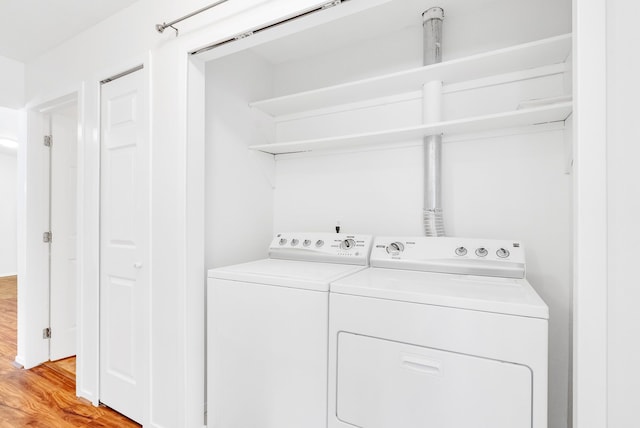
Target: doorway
pixel 46 213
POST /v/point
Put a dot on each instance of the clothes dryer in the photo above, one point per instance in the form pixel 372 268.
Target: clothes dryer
pixel 267 331
pixel 439 332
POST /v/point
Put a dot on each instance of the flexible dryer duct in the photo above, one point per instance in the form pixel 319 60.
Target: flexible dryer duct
pixel 432 97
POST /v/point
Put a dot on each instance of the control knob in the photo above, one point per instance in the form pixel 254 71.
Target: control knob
pixel 461 251
pixel 348 244
pixel 503 253
pixel 481 252
pixel 395 248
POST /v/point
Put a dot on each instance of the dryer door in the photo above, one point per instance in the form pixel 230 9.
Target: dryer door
pixel 381 384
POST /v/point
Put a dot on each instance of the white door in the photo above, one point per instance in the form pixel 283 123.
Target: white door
pixel 64 127
pixel 124 245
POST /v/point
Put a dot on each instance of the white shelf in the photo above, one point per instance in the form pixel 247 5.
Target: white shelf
pixel 540 53
pixel 513 119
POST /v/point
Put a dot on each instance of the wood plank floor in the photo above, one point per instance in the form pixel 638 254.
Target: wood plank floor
pixel 43 397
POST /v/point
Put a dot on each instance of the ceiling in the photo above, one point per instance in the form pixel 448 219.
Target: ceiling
pixel 29 28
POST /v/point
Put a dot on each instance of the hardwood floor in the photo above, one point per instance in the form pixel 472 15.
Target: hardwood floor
pixel 42 397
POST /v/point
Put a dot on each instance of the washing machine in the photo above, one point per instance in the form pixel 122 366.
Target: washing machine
pixel 439 332
pixel 267 331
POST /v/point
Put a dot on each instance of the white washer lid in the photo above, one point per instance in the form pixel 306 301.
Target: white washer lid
pixel 488 294
pixel 286 273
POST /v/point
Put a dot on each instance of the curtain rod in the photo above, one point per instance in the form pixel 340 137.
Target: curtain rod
pixel 257 30
pixel 161 27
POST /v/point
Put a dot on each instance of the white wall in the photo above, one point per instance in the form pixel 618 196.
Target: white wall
pixel 8 194
pixel 239 192
pixel 9 123
pixel 623 152
pixel 11 83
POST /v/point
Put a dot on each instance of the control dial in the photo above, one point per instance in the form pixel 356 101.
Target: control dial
pixel 461 251
pixel 503 253
pixel 395 248
pixel 348 244
pixel 283 241
pixel 319 243
pixel 294 242
pixel 306 242
pixel 481 252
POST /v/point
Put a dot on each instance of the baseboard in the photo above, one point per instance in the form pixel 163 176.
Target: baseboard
pixel 18 362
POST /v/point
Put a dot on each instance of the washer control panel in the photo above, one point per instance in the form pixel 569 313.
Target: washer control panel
pixel 485 257
pixel 322 247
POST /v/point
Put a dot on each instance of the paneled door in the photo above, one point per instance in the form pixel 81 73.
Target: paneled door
pixel 124 245
pixel 64 132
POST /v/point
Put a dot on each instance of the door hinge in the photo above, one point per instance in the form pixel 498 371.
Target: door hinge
pixel 46 333
pixel 47 237
pixel 48 140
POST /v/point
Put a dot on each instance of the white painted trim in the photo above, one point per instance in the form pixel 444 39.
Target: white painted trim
pixel 590 215
pixel 84 140
pixel 148 261
pixel 53 99
pixel 58 103
pixel 19 361
pixel 88 361
pixel 194 326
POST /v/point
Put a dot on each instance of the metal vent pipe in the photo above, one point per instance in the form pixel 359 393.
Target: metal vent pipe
pixel 432 112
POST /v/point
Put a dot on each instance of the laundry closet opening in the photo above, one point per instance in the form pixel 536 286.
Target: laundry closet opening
pixel 325 126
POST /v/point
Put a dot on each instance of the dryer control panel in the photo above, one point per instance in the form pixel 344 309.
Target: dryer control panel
pixel 322 247
pixel 486 257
